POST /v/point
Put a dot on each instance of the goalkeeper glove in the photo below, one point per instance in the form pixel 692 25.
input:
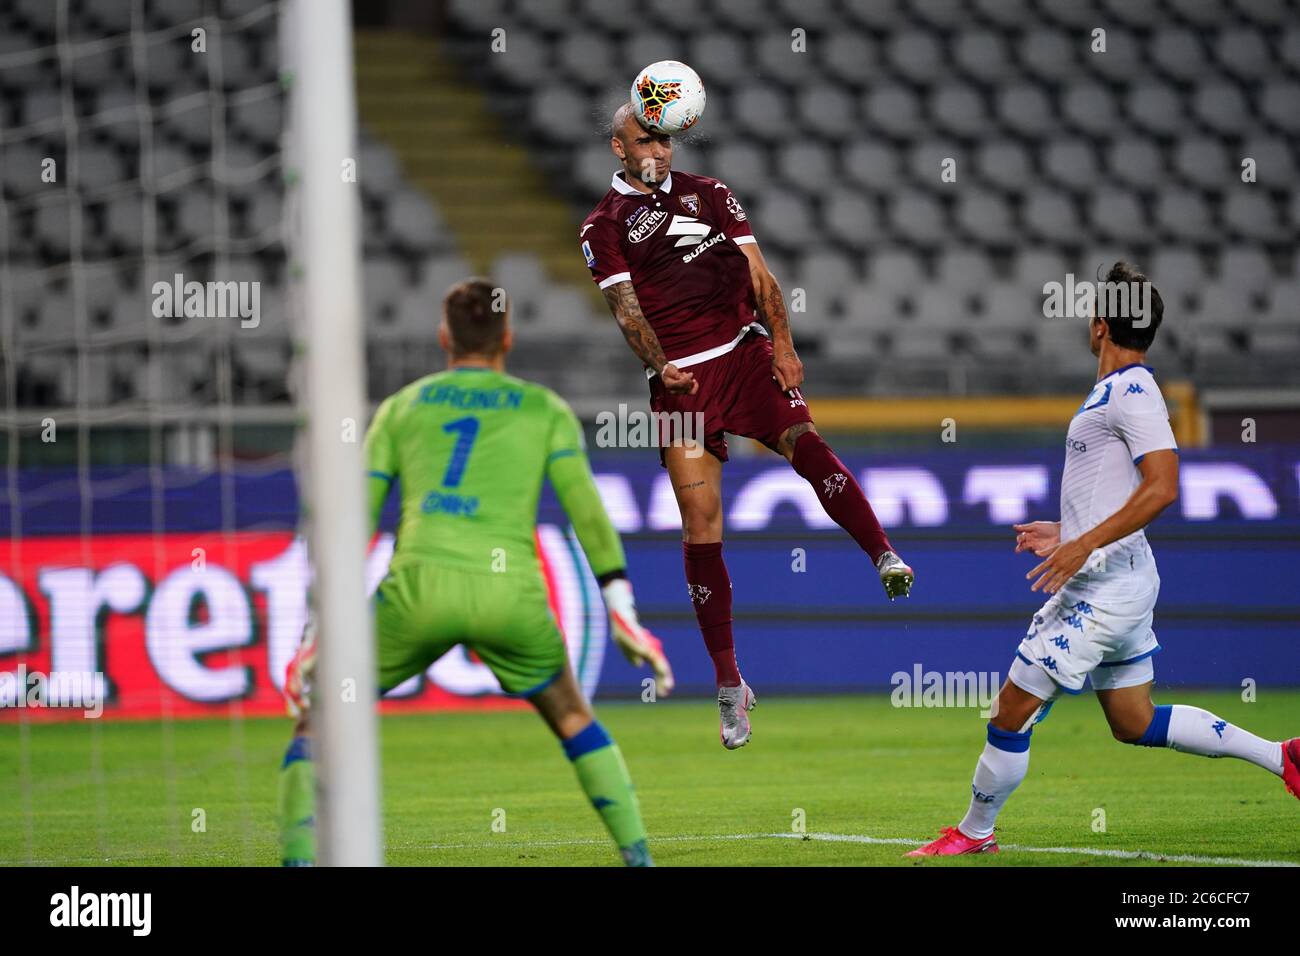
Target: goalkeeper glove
pixel 638 645
pixel 297 676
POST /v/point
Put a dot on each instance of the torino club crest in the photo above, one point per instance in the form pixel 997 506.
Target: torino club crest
pixel 691 204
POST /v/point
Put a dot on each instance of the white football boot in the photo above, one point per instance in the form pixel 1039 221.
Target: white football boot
pixel 734 704
pixel 896 576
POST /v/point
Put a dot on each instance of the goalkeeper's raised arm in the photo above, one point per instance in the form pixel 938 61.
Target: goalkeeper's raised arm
pixel 569 472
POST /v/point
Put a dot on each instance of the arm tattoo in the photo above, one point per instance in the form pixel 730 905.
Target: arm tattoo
pixel 771 308
pixel 636 328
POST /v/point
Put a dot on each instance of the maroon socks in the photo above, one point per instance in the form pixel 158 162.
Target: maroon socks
pixel 839 493
pixel 709 586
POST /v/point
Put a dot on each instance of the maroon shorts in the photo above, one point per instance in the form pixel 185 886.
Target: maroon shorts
pixel 737 394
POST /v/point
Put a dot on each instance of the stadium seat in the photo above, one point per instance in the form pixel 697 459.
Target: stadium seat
pixel 986 218
pixel 1117 214
pixel 827 276
pixel 1204 162
pixel 774 56
pixel 1090 108
pixel 1178 54
pixel 1222 108
pixel 754 109
pixel 1052 217
pixel 1138 163
pixel 965 270
pixel 1004 164
pixel 1122 62
pixel 852 218
pixel 806 165
pixel 895 111
pixel 748 169
pixel 895 271
pixel 917 56
pixel 1183 215
pixel 1072 164
pixel 959 110
pixel 1275 165
pixel 1033 268
pixel 984 56
pixel 1251 214
pixel 851 57
pixel 918 218
pixel 872 164
pixel 1158 108
pixel 1026 109
pixel 1277 105
pixel 1050 55
pixel 828 110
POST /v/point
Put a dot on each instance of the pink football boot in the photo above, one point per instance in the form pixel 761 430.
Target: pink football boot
pixel 953 843
pixel 1291 765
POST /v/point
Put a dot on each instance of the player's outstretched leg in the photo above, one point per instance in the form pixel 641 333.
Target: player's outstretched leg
pixel 1001 767
pixel 1134 719
pixel 842 497
pixel 598 763
pixel 297 802
pixel 697 483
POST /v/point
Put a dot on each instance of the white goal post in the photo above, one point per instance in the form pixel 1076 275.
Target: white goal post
pixel 326 246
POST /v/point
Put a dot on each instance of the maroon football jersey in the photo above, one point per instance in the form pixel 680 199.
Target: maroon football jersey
pixel 680 247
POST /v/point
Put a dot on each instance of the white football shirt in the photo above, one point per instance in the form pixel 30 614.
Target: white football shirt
pixel 1123 419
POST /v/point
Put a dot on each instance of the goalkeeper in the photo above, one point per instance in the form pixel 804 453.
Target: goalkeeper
pixel 471 446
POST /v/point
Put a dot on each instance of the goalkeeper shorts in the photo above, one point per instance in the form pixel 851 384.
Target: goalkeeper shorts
pixel 424 609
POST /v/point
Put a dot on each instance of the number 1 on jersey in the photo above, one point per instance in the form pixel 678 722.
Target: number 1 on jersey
pixel 466 430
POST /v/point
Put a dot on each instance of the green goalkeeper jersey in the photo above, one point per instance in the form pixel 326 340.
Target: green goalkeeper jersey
pixel 471 447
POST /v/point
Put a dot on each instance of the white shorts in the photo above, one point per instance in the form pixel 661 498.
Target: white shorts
pixel 1107 636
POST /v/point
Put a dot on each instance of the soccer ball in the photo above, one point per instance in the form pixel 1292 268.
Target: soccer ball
pixel 667 97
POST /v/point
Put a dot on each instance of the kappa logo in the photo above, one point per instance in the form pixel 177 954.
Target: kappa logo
pixel 698 592
pixel 833 485
pixel 691 203
pixel 1062 642
pixel 1219 727
pixel 1135 389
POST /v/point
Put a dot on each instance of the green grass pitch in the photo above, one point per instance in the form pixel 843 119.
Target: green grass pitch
pixel 127 793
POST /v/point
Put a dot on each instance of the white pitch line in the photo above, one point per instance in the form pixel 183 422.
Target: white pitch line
pixel 1154 857
pixel 1149 855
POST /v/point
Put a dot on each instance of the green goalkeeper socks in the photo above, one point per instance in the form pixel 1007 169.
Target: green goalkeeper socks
pixel 604 778
pixel 297 806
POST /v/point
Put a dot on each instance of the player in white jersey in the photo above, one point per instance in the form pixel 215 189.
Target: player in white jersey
pixel 1121 471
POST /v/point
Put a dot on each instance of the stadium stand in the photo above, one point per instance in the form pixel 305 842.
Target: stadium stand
pixel 1065 158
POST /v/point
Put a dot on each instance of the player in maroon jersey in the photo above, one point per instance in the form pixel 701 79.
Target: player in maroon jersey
pixel 683 275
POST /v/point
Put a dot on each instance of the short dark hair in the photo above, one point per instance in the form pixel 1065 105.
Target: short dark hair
pixel 476 313
pixel 1134 326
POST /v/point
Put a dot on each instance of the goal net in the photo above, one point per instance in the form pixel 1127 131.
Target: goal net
pixel 152 568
